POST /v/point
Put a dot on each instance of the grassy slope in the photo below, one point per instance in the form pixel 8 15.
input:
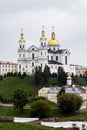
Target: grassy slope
pixel 18 126
pixel 11 83
pixel 8 84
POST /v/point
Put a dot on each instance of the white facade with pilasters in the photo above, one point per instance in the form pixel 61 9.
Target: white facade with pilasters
pixel 48 53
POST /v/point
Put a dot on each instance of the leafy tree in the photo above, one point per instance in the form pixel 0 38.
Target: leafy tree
pixel 20 99
pixel 62 77
pixel 40 109
pixel 69 103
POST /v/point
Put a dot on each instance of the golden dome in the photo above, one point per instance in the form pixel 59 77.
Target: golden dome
pixel 53 42
pixel 43 34
pixel 69 78
pixel 22 37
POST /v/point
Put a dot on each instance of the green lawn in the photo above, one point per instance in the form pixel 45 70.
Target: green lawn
pixel 9 84
pixel 4 111
pixel 20 126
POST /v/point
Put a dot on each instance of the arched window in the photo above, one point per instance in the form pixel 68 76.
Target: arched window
pixel 57 58
pixel 20 46
pixel 51 57
pixel 65 60
pixel 32 55
pixel 19 66
pixel 32 64
pixel 19 55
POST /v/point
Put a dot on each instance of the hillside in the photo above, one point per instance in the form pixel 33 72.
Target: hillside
pixel 9 84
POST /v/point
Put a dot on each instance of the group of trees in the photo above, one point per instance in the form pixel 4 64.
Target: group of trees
pixel 39 107
pixel 67 103
pixel 10 74
pixel 42 77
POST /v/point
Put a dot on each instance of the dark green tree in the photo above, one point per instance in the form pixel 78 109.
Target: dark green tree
pixel 46 74
pixel 62 91
pixel 69 103
pixel 38 76
pixel 40 109
pixel 19 98
pixel 62 77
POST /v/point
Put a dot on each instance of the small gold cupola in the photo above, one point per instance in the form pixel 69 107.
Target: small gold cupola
pixel 53 41
pixel 43 37
pixel 22 37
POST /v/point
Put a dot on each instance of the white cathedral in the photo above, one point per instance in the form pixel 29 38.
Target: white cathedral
pixel 48 53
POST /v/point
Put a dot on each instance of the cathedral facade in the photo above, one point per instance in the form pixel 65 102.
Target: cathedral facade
pixel 48 53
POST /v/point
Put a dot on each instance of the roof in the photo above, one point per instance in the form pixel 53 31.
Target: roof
pixel 54 90
pixel 58 51
pixel 7 62
pixel 54 62
pixel 68 89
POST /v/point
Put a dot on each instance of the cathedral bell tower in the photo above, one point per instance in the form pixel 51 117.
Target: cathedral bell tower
pixel 21 53
pixel 22 40
pixel 43 39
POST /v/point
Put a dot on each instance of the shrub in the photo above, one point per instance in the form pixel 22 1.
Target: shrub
pixel 40 109
pixel 69 103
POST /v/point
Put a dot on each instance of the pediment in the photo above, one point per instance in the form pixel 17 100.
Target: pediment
pixel 66 51
pixel 32 48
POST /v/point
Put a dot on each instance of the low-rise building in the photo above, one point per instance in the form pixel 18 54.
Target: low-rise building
pixel 6 67
pixel 51 93
pixel 81 71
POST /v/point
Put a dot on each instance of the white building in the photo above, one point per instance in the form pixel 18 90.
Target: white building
pixel 51 93
pixel 48 53
pixel 6 67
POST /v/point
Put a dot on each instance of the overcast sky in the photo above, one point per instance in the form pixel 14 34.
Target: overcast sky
pixel 69 17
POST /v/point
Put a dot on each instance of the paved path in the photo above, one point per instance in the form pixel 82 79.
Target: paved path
pixel 6 105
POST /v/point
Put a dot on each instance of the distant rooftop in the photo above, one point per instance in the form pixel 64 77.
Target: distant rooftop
pixel 7 62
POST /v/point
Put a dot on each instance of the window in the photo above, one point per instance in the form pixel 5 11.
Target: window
pixel 48 57
pixel 32 55
pixel 55 67
pixel 20 46
pixel 32 63
pixel 54 49
pixel 51 67
pixel 41 53
pixel 19 55
pixel 57 58
pixel 23 55
pixel 65 60
pixel 41 43
pixel 32 48
pixel 26 66
pixel 19 66
pixel 51 57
